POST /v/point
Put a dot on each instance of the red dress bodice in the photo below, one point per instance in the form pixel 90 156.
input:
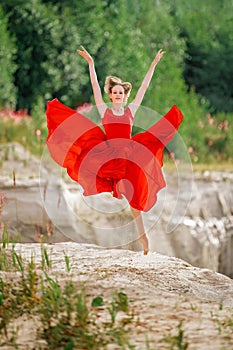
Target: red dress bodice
pixel 117 126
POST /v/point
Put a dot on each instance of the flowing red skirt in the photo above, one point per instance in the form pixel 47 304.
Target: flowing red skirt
pixel 126 167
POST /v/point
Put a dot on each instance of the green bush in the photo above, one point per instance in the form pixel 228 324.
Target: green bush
pixel 8 67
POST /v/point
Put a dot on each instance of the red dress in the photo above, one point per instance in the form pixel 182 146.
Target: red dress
pixel 111 161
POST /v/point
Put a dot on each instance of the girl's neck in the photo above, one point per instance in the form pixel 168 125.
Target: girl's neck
pixel 117 109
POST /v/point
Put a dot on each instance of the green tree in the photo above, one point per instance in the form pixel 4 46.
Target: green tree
pixel 207 28
pixel 8 67
pixel 88 19
pixel 46 57
pixel 107 30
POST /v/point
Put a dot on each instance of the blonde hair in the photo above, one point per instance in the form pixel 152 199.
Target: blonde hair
pixel 112 81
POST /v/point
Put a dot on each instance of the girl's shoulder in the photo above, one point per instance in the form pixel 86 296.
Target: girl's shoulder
pixel 132 108
pixel 102 109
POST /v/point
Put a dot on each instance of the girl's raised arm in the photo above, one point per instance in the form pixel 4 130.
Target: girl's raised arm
pixel 100 104
pixel 145 83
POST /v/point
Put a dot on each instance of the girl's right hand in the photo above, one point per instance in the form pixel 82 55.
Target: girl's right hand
pixel 85 54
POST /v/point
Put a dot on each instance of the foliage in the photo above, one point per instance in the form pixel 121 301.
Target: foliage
pixel 8 67
pixel 46 56
pixel 207 28
pixel 65 318
pixel 20 127
pixel 179 341
pixel 123 38
pixel 88 19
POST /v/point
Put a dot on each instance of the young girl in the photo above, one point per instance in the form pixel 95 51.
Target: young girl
pixel 113 161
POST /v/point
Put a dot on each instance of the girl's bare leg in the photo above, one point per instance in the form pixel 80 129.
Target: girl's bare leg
pixel 141 230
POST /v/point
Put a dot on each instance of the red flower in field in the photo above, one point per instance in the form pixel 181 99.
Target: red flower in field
pixel 223 125
pixel 38 132
pixel 86 107
pixel 210 119
pixel 201 124
pixel 3 200
pixel 220 126
pixel 190 149
pixel 172 155
pixel 16 116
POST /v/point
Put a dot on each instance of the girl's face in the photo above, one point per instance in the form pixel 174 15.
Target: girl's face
pixel 118 94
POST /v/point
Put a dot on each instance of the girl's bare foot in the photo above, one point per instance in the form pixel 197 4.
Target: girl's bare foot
pixel 144 240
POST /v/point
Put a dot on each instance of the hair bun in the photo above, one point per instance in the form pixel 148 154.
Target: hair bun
pixel 112 81
pixel 127 87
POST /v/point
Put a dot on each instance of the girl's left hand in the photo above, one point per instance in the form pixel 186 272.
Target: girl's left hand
pixel 159 55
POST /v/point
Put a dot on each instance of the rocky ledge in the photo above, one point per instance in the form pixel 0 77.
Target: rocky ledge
pixel 163 292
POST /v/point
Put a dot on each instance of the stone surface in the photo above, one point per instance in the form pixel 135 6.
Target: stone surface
pixel 162 291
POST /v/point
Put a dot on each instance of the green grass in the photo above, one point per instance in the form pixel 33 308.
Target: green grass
pixel 67 314
pixel 28 132
pixel 177 341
